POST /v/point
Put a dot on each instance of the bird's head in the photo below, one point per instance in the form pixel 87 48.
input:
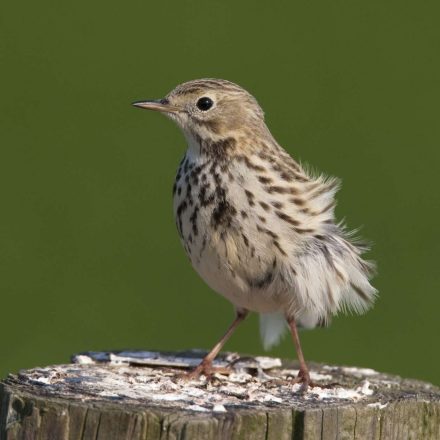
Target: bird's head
pixel 210 110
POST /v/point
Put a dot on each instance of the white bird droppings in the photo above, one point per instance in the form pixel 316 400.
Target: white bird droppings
pixel 155 378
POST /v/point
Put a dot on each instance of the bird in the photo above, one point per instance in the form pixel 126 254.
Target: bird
pixel 259 227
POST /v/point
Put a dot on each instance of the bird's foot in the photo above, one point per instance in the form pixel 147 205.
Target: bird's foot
pixel 206 369
pixel 304 379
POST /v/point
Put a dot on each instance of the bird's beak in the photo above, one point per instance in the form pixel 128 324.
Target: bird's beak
pixel 160 105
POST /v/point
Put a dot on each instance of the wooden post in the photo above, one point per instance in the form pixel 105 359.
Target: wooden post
pixel 140 395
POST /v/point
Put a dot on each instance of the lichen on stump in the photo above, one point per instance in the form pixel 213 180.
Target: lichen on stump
pixel 139 395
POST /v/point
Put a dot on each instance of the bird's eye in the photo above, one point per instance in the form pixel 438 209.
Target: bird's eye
pixel 205 103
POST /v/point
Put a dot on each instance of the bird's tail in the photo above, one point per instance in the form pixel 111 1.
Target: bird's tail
pixel 272 328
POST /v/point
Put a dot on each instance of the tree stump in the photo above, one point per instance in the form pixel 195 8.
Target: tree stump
pixel 140 395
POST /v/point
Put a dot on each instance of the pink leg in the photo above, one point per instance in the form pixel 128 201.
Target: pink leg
pixel 303 374
pixel 205 367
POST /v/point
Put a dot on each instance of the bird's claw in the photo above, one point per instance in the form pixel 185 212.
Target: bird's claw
pixel 206 369
pixel 304 379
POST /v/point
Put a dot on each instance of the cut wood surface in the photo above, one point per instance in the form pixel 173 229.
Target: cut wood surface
pixel 140 395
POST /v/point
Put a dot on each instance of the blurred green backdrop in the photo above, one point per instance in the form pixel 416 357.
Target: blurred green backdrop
pixel 90 258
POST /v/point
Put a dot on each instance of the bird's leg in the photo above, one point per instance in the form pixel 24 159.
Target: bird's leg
pixel 205 367
pixel 303 374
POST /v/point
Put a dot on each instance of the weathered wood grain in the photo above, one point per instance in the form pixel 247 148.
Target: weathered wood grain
pixel 110 400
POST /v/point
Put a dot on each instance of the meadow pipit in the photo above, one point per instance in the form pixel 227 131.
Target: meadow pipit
pixel 257 227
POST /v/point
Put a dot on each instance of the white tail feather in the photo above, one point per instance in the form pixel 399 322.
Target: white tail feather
pixel 272 328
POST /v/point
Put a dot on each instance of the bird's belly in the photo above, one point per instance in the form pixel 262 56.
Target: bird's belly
pixel 229 274
pixel 240 269
pixel 223 239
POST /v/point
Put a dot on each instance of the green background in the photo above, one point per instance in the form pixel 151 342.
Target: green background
pixel 90 258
